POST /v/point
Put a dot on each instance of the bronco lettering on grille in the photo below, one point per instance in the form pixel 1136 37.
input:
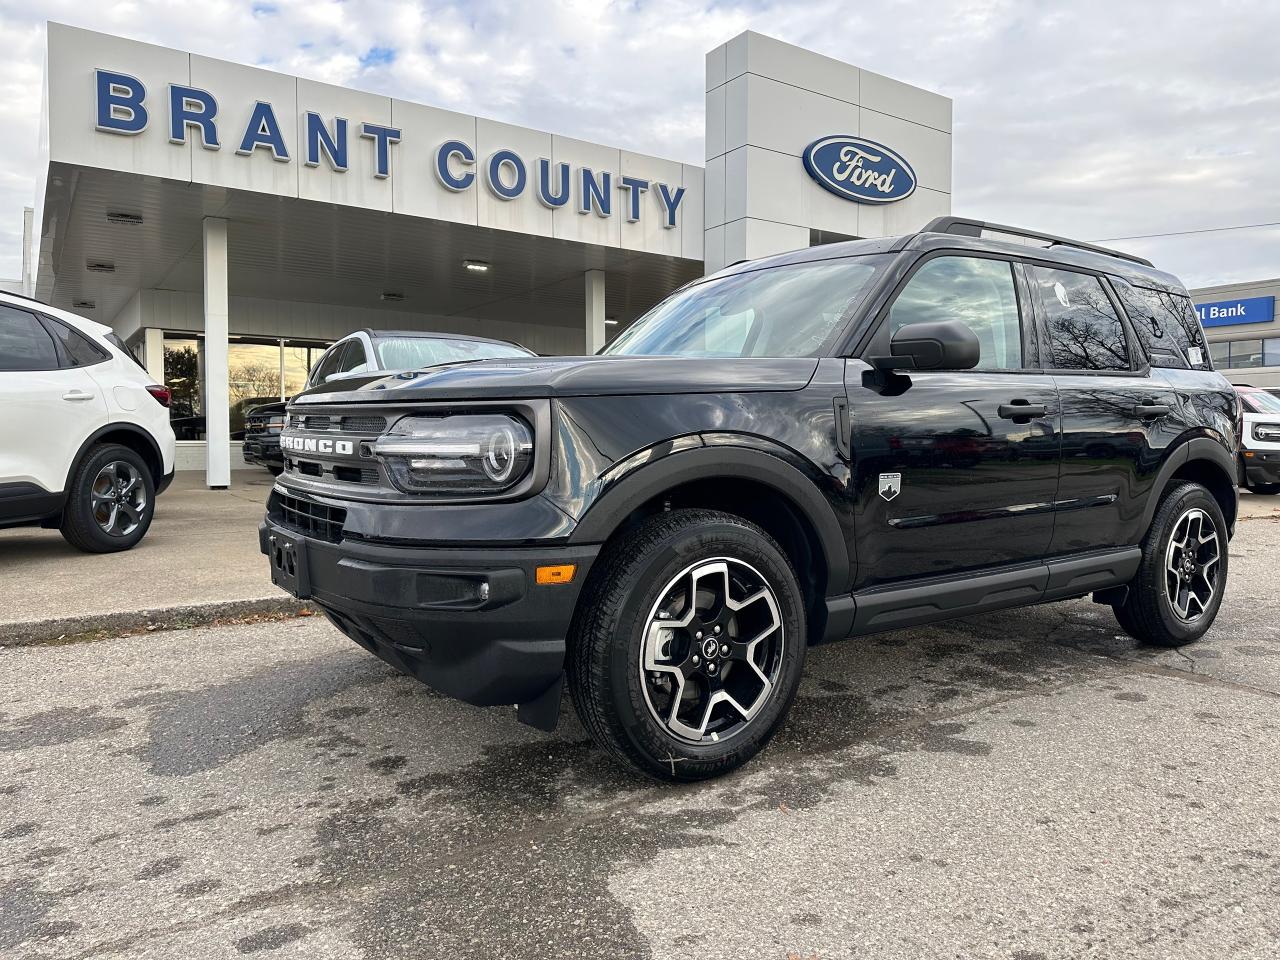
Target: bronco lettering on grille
pixel 318 445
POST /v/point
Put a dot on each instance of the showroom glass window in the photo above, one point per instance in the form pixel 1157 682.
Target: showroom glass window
pixel 1085 332
pixel 1246 353
pixel 978 291
pixel 299 357
pixel 24 342
pixel 183 375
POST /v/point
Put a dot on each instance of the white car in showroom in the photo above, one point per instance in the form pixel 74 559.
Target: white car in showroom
pixel 85 441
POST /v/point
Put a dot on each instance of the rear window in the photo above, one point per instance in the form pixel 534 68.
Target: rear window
pixel 1085 332
pixel 80 350
pixel 1167 325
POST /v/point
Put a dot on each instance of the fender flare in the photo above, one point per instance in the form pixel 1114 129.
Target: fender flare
pixel 645 482
pixel 1197 448
pixel 117 426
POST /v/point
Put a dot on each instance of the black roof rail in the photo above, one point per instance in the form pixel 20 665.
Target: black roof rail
pixel 962 227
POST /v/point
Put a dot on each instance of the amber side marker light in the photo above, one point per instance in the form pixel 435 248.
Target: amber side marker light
pixel 560 573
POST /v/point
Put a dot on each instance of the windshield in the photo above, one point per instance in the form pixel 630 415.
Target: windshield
pixel 410 353
pixel 1259 401
pixel 787 311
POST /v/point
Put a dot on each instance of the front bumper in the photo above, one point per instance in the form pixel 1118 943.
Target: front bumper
pixel 263 450
pixel 1260 467
pixel 471 623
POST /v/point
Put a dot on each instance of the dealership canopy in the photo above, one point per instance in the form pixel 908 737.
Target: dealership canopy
pixel 229 222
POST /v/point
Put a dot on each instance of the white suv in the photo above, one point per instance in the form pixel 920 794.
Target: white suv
pixel 85 441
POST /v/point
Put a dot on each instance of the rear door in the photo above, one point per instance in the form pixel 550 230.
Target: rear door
pixel 955 470
pixel 1117 420
pixel 48 407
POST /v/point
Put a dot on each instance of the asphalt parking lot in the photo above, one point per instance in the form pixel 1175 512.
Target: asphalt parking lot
pixel 1022 785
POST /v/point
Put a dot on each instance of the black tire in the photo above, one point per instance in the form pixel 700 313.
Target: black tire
pixel 1264 488
pixel 275 471
pixel 1148 613
pixel 612 692
pixel 83 516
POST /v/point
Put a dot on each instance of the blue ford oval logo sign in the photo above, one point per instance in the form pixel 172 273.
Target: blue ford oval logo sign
pixel 859 170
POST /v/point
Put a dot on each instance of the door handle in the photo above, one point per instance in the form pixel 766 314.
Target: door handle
pixel 77 395
pixel 1149 411
pixel 1021 410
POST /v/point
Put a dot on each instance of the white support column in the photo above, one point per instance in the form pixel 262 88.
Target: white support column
pixel 217 403
pixel 153 352
pixel 595 310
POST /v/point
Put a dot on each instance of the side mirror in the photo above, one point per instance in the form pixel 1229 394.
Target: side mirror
pixel 940 345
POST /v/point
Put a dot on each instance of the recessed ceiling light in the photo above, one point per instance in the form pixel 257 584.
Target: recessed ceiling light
pixel 100 266
pixel 117 216
pixel 83 304
pixel 476 266
pixel 391 296
pixel 611 323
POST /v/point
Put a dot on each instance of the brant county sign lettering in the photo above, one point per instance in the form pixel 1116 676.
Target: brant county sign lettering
pixel 121 108
pixel 859 170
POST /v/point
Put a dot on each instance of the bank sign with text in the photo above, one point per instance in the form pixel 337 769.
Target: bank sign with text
pixel 123 108
pixel 1226 313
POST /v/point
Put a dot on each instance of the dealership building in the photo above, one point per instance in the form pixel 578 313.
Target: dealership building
pixel 229 222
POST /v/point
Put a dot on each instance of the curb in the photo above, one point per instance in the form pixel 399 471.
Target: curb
pixel 71 629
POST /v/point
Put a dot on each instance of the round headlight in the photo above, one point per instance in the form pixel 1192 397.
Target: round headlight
pixel 500 455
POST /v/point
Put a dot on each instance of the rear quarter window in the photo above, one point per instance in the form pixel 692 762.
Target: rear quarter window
pixel 1166 324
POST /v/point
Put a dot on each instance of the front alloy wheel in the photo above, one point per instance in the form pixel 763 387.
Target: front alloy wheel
pixel 712 650
pixel 688 645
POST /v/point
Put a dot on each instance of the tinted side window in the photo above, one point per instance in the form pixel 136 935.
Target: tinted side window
pixel 977 291
pixel 328 364
pixel 1166 324
pixel 80 352
pixel 353 358
pixel 1085 332
pixel 24 342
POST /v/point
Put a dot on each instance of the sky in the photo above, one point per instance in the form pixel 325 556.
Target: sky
pixel 1095 119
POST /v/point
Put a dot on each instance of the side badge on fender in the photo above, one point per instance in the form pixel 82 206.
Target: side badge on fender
pixel 890 485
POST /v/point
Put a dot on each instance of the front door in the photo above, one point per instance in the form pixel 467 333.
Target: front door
pixel 959 470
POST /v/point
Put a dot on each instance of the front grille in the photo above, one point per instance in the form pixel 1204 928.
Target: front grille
pixel 355 474
pixel 320 423
pixel 364 424
pixel 309 468
pixel 313 519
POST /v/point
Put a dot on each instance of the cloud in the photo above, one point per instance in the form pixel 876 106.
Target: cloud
pixel 1095 119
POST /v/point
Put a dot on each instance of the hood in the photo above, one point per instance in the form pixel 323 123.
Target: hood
pixel 266 408
pixel 521 379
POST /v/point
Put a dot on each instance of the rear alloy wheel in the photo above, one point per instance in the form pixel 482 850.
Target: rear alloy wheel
pixel 110 501
pixel 1176 595
pixel 689 644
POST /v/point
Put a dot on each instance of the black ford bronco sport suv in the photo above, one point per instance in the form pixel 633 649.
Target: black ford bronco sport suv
pixel 845 439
